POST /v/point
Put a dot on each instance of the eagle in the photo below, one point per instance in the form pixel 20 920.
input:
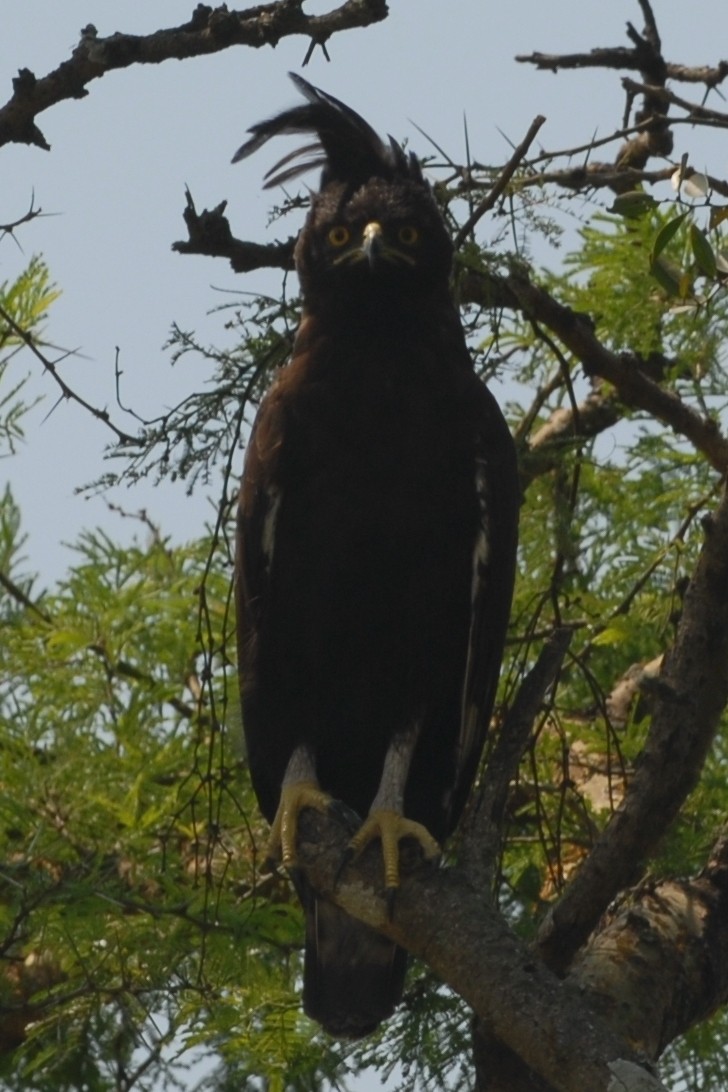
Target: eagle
pixel 376 542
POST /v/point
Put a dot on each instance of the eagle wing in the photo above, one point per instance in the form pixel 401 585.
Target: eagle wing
pixel 492 577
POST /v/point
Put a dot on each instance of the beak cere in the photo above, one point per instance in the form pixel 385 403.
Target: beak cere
pixel 372 242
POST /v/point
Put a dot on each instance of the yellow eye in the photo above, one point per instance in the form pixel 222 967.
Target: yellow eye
pixel 339 236
pixel 408 235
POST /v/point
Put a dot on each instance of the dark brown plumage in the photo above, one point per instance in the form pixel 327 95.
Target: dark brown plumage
pixel 377 540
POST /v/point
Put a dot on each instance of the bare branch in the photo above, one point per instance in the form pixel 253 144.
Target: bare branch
pixel 208 31
pixel 210 234
pixel 594 176
pixel 501 182
pixel 31 214
pixel 651 33
pixel 621 58
pixel 711 76
pixel 66 391
pixel 696 112
pixel 618 57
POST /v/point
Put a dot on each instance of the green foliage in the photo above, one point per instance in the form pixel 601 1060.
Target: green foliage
pixel 139 935
pixel 134 923
pixel 24 302
pixel 143 945
pixel 201 434
pixel 698 1061
pixel 608 538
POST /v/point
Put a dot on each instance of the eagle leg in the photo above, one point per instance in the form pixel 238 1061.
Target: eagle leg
pixel 390 826
pixel 386 820
pixel 300 790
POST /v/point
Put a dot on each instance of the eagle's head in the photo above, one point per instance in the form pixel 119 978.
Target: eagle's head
pixel 374 231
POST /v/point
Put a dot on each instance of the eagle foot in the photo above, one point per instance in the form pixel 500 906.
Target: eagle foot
pixel 284 829
pixel 390 828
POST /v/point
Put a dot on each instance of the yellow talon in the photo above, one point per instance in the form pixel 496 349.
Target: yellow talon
pixel 391 827
pixel 284 829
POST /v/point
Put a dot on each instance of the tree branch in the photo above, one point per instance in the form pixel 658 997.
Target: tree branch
pixel 695 111
pixel 441 918
pixel 619 57
pixel 659 961
pixel 626 371
pixel 210 234
pixel 566 428
pixel 500 183
pixel 66 391
pixel 688 700
pixel 483 829
pixel 210 30
pixel 657 965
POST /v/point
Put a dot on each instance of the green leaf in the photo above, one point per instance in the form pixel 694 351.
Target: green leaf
pixel 633 204
pixel 703 252
pixel 664 236
pixel 717 216
pixel 666 277
pixel 615 634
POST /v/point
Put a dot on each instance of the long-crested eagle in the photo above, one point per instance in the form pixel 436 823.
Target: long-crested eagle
pixel 377 534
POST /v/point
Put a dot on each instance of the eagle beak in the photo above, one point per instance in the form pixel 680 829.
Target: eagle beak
pixel 372 243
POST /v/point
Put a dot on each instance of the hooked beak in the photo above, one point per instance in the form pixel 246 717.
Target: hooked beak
pixel 373 243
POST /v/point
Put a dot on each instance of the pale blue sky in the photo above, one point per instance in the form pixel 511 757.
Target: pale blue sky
pixel 120 158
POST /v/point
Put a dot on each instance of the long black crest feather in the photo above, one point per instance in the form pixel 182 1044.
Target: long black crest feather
pixel 347 149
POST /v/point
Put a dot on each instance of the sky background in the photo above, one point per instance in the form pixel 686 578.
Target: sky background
pixel 113 186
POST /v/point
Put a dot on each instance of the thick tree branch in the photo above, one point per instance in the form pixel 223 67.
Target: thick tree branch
pixel 210 30
pixel 441 918
pixel 659 962
pixel 619 57
pixel 688 700
pixel 657 965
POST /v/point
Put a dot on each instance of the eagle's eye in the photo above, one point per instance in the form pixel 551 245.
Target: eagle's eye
pixel 339 236
pixel 408 235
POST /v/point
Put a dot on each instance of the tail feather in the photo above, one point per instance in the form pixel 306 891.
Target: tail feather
pixel 353 976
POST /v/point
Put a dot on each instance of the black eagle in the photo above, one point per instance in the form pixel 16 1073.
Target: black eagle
pixel 377 534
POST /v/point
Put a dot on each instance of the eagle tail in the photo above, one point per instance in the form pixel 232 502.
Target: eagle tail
pixel 353 976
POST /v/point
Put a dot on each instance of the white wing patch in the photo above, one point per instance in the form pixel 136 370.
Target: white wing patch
pixel 481 551
pixel 268 536
pixel 469 713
